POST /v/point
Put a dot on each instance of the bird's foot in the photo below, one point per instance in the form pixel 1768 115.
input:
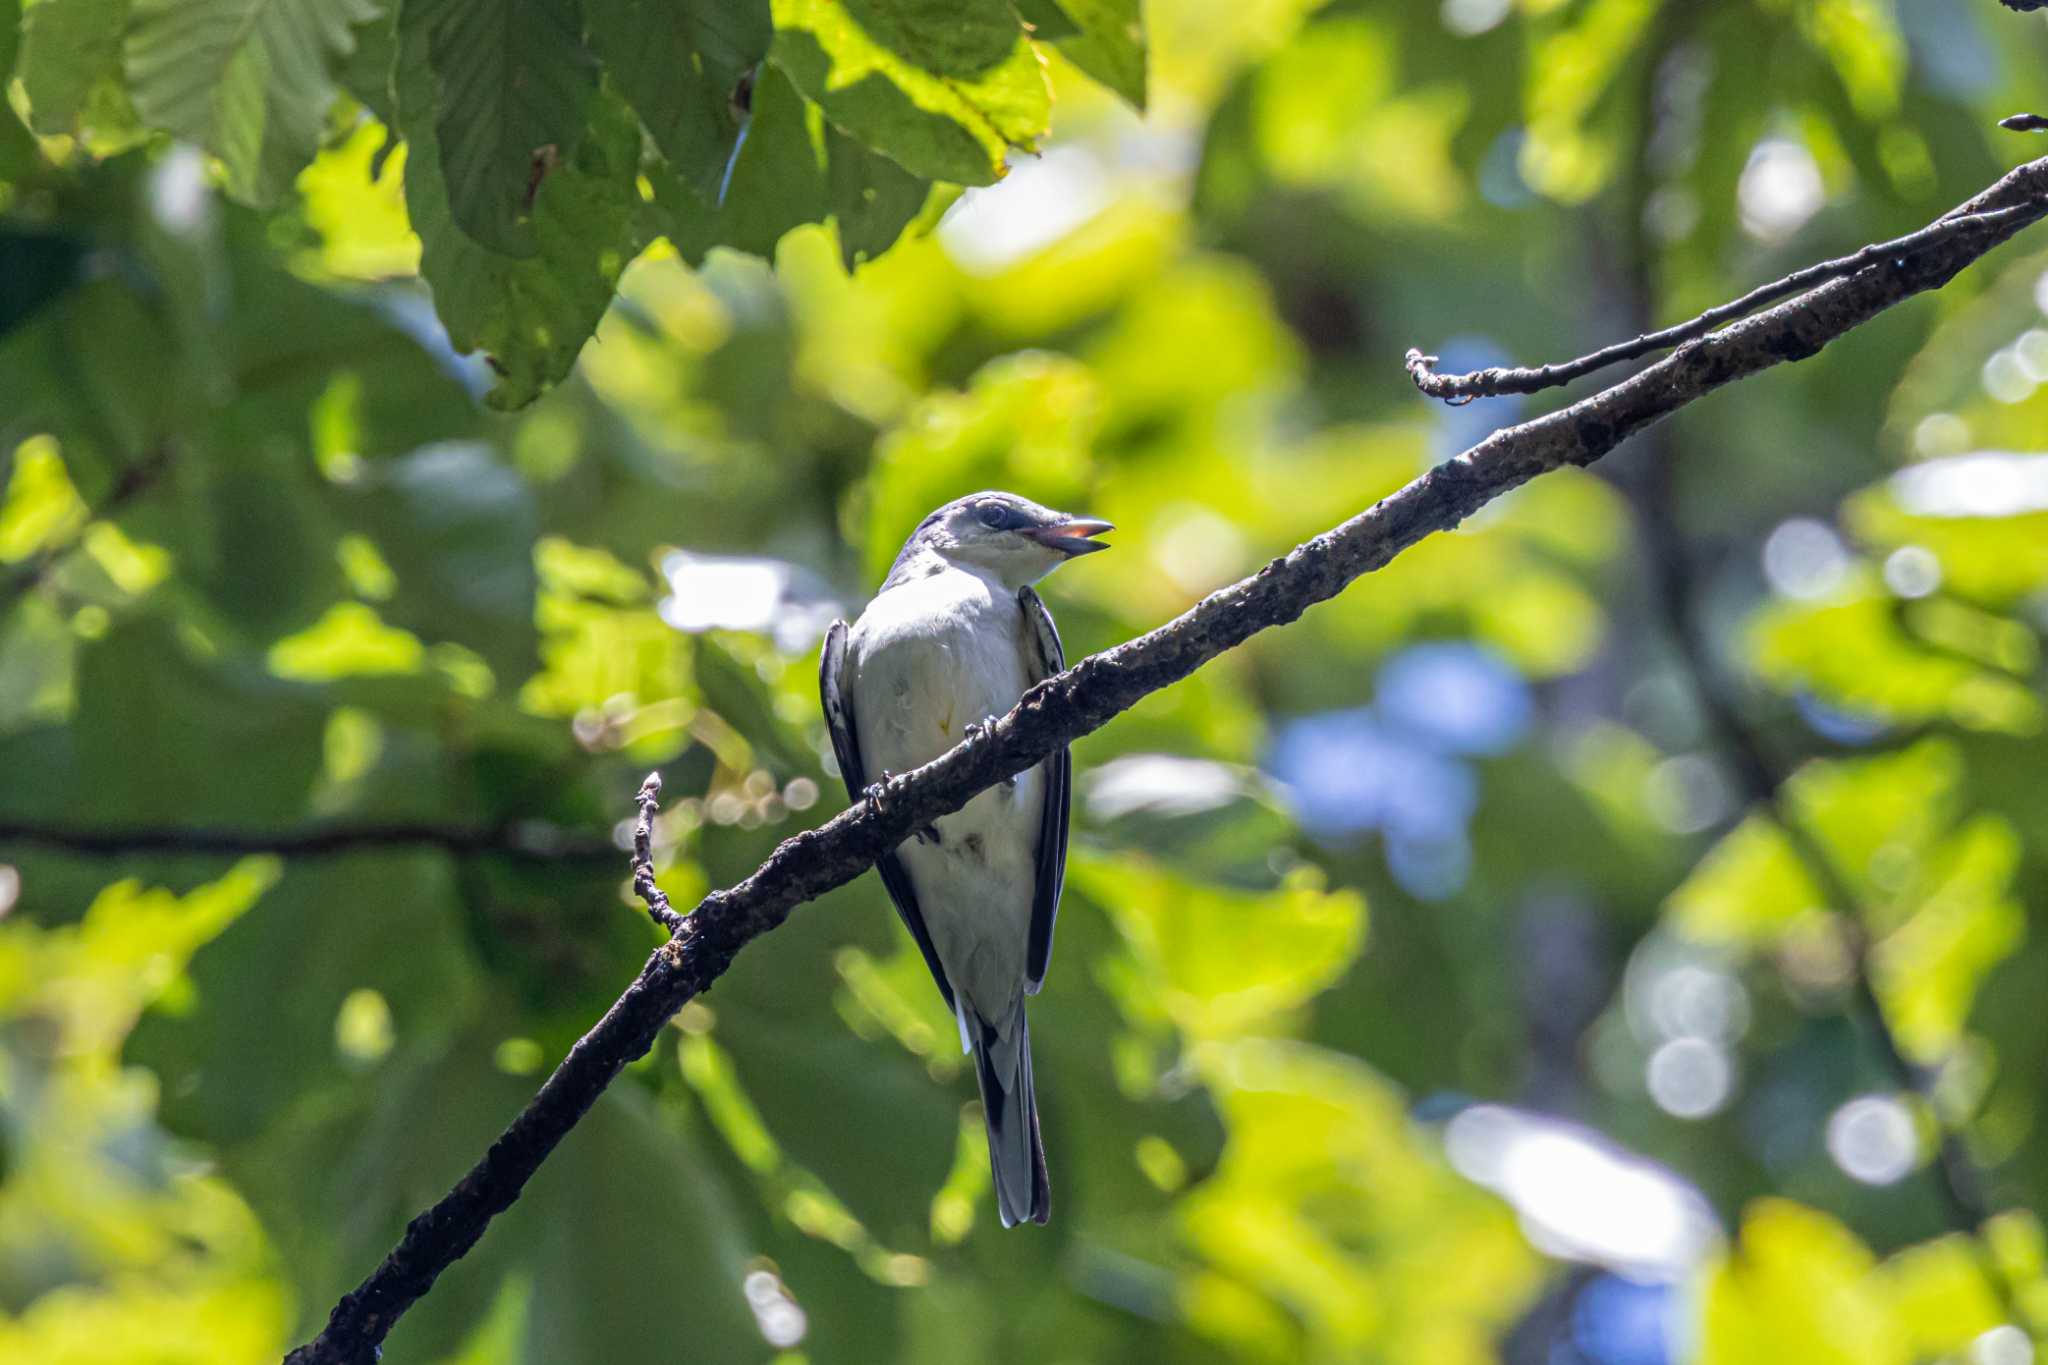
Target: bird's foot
pixel 978 729
pixel 878 795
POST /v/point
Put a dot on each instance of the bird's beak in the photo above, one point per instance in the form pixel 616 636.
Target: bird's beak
pixel 1071 537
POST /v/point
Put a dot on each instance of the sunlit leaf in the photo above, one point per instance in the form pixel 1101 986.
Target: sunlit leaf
pixel 1799 1283
pixel 946 99
pixel 1852 650
pixel 1220 961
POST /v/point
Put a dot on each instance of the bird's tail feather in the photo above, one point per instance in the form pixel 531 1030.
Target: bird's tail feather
pixel 1002 1063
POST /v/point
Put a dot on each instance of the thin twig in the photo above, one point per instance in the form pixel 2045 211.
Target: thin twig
pixel 1459 389
pixel 1957 1177
pixel 523 839
pixel 658 907
pixel 1082 699
pixel 1678 601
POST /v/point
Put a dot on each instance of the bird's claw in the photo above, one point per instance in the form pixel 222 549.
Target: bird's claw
pixel 979 729
pixel 879 795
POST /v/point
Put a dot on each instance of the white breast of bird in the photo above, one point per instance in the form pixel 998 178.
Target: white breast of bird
pixel 929 657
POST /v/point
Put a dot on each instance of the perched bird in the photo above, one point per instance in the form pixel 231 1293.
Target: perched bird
pixel 950 643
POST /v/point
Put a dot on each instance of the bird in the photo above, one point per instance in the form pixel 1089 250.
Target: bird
pixel 951 641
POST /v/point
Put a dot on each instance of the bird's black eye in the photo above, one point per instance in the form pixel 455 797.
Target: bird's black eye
pixel 993 515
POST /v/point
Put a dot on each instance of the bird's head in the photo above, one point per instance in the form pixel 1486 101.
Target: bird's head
pixel 1004 536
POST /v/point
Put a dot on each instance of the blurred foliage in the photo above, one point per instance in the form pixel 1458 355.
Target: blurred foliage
pixel 440 414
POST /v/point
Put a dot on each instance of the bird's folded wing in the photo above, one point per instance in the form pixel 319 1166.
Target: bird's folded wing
pixel 839 720
pixel 1052 825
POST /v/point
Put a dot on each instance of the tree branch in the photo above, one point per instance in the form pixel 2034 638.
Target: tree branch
pixel 1071 704
pixel 523 839
pixel 1675 593
pixel 1458 389
pixel 1958 1179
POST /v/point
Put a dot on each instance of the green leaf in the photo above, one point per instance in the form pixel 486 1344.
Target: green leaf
pixel 512 87
pixel 1935 900
pixel 1337 1212
pixel 1214 959
pixel 1800 1287
pixel 1940 1295
pixel 1211 821
pixel 871 198
pixel 530 316
pixel 1852 650
pixel 776 183
pixel 1749 888
pixel 680 64
pixel 945 87
pixel 1106 39
pixel 791 169
pixel 1989 542
pixel 67 47
pixel 249 80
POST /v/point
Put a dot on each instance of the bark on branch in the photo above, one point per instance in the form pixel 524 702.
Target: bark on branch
pixel 1071 704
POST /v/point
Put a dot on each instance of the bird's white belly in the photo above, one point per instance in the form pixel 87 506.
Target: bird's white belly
pixel 923 676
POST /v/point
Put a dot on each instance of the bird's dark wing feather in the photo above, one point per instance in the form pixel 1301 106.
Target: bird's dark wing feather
pixel 1052 825
pixel 846 746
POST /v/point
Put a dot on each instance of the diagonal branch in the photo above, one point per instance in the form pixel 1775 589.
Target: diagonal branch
pixel 1459 389
pixel 1071 704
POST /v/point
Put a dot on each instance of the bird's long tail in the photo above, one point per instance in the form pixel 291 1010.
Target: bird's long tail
pixel 1002 1063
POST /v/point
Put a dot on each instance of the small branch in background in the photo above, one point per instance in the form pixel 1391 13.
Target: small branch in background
pixel 134 480
pixel 523 839
pixel 1081 700
pixel 2024 123
pixel 658 907
pixel 1678 601
pixel 1459 389
pixel 1761 778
